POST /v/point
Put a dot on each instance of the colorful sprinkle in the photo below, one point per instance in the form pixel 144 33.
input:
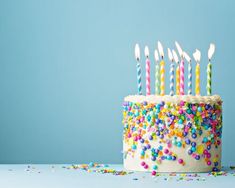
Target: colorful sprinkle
pixel 195 128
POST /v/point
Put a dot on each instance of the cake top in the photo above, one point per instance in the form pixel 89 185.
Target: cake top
pixel 174 99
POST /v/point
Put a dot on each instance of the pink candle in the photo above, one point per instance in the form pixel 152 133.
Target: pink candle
pixel 147 70
pixel 181 68
pixel 182 77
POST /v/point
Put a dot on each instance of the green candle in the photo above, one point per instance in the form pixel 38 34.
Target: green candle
pixel 209 68
pixel 211 51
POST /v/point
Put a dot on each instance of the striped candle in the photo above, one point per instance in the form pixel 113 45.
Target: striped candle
pixel 209 68
pixel 197 57
pixel 157 80
pixel 176 60
pixel 182 77
pixel 197 85
pixel 172 79
pixel 211 51
pixel 139 78
pixel 138 68
pixel 147 76
pixel 162 76
pixel 189 78
pixel 186 56
pixel 177 80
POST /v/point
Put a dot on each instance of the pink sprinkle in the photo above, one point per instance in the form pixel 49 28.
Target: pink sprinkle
pixel 194 108
pixel 205 152
pixel 166 151
pixel 181 103
pixel 146 166
pixel 154 173
pixel 181 161
pixel 192 116
pixel 142 163
pixel 180 111
pixel 208 155
pixel 208 163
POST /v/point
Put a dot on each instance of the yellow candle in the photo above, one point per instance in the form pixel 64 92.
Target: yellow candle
pixel 197 85
pixel 197 57
pixel 162 75
pixel 162 69
pixel 177 80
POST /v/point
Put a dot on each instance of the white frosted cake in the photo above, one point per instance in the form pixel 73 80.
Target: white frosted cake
pixel 180 133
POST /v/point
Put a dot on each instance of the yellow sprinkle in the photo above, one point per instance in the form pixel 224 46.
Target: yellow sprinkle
pixel 200 149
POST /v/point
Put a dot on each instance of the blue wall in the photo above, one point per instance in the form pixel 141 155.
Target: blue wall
pixel 65 67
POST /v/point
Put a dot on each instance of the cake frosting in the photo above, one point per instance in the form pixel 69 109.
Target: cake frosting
pixel 180 133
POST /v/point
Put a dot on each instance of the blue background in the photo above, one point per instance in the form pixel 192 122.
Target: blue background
pixel 65 67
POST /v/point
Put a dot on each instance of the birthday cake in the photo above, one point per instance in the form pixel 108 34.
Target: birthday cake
pixel 172 133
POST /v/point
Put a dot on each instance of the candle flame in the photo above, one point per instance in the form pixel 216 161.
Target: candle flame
pixel 146 51
pixel 176 59
pixel 137 52
pixel 197 55
pixel 211 51
pixel 180 51
pixel 170 56
pixel 156 57
pixel 160 49
pixel 187 57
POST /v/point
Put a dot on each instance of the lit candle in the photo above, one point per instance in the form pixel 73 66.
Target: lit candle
pixel 170 56
pixel 189 73
pixel 180 51
pixel 147 67
pixel 157 74
pixel 209 68
pixel 176 59
pixel 137 57
pixel 162 69
pixel 197 57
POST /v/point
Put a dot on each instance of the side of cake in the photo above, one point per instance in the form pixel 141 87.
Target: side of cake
pixel 180 133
